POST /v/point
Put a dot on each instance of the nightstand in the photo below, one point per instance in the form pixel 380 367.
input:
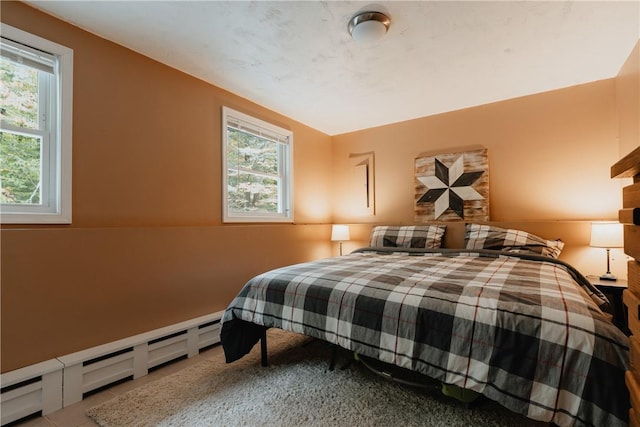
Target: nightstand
pixel 613 290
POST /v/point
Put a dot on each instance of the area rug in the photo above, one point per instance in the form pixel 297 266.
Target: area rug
pixel 297 389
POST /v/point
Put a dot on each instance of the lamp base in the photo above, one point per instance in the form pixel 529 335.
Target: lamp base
pixel 608 276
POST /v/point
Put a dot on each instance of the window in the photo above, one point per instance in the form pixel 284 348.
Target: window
pixel 257 171
pixel 35 129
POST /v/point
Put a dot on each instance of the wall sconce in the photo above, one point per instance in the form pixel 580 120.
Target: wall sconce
pixel 606 235
pixel 339 233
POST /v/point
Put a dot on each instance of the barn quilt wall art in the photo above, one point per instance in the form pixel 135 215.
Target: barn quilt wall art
pixel 452 186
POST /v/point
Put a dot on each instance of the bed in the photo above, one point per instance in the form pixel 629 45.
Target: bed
pixel 502 317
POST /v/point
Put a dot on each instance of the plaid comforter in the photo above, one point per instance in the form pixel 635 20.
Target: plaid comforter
pixel 520 329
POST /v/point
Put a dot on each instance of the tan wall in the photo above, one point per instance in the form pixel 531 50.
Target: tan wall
pixel 628 102
pixel 147 247
pixel 549 156
pixel 549 161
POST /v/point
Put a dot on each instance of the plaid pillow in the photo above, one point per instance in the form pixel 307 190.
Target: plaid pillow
pixel 489 237
pixel 408 236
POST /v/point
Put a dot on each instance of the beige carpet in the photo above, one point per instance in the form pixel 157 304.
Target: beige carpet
pixel 297 389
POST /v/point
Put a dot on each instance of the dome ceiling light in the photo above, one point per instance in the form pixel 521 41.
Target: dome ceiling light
pixel 369 26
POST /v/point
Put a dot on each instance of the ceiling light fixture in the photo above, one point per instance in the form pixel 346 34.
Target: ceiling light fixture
pixel 368 26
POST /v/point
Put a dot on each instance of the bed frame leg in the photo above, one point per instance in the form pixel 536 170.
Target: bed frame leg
pixel 263 349
pixel 334 354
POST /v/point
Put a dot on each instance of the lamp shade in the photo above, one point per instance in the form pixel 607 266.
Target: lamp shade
pixel 368 31
pixel 606 235
pixel 339 233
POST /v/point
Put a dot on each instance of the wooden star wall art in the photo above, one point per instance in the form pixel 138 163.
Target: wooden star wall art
pixel 452 186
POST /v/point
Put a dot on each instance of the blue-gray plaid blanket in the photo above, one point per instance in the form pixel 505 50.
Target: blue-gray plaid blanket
pixel 520 329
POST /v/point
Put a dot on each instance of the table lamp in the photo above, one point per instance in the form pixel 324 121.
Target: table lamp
pixel 606 235
pixel 339 233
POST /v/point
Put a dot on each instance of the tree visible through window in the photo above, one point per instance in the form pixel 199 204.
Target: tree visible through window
pixel 257 163
pixel 20 149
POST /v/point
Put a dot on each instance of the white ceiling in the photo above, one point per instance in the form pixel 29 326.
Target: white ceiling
pixel 297 58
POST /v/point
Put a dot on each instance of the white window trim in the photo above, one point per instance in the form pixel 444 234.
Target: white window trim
pixel 61 209
pixel 287 199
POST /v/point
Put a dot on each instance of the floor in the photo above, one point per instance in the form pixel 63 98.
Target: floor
pixel 74 415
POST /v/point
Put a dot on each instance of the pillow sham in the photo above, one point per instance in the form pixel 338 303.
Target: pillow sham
pixel 408 236
pixel 479 236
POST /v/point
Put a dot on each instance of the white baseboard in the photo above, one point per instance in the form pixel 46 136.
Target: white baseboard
pixel 51 385
pixel 35 388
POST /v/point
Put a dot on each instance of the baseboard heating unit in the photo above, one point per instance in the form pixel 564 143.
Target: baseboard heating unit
pixel 31 390
pixel 48 386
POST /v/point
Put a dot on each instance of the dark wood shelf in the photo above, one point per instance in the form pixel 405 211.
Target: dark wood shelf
pixel 628 166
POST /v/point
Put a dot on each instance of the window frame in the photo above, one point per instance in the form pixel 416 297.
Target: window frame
pixel 56 158
pixel 285 171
